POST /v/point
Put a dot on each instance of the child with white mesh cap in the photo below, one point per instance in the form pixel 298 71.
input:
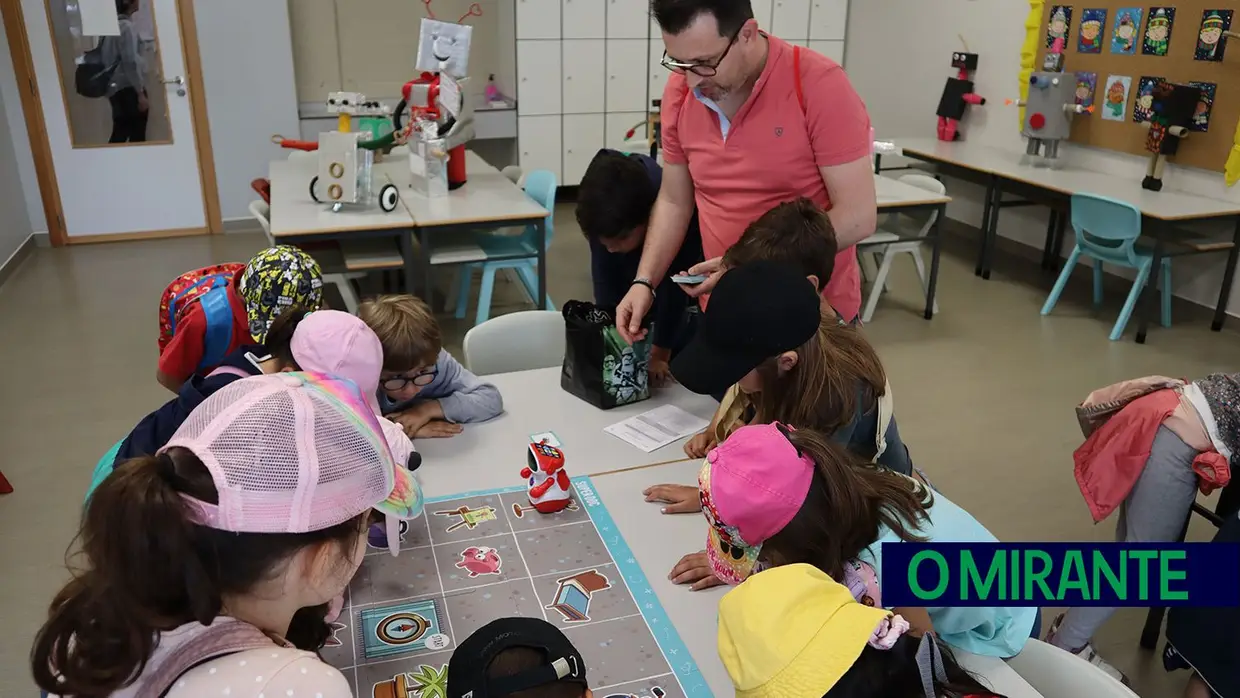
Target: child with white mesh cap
pixel 200 558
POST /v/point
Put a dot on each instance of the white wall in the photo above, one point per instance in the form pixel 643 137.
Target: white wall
pixel 247 65
pixel 900 66
pixel 15 150
pixel 14 221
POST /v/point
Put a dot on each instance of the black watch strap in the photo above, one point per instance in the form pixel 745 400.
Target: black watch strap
pixel 644 282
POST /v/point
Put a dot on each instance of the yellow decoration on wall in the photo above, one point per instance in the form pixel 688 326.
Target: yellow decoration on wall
pixel 1029 51
pixel 1231 171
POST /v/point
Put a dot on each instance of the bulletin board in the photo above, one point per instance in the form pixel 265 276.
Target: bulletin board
pixel 1141 55
pixel 370 47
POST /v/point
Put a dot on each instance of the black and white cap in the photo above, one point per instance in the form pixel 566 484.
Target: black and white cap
pixel 468 668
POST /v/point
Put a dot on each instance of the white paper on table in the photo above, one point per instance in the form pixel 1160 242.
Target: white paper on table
pixel 657 428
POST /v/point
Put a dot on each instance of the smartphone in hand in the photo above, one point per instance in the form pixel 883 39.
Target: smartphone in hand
pixel 689 279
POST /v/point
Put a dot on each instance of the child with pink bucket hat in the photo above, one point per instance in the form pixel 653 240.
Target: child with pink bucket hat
pixel 209 566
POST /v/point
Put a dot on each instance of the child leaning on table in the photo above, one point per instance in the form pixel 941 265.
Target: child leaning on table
pixel 422 387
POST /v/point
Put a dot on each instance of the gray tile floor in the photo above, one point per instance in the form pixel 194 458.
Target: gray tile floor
pixel 984 395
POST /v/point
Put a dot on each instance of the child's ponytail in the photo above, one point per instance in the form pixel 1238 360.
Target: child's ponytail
pixel 848 501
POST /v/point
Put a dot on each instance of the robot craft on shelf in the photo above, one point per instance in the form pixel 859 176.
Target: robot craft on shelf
pixel 545 478
pixel 958 94
pixel 344 173
pixel 440 119
pixel 1048 115
pixel 1170 115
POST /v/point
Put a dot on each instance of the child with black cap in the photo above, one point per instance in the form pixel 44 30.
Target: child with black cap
pixel 517 658
pixel 765 335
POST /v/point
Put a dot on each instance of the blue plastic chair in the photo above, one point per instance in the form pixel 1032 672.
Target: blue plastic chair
pixel 103 469
pixel 520 251
pixel 1107 230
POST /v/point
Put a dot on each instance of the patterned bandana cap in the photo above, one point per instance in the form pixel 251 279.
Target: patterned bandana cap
pixel 276 279
pixel 1222 393
pixel 731 559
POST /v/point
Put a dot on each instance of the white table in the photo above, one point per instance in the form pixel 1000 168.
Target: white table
pixel 492 454
pixel 894 196
pixel 1004 171
pixel 658 541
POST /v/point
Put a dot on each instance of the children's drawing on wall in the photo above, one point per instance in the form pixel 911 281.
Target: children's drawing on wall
pixel 1124 35
pixel 1086 83
pixel 1089 36
pixel 1158 31
pixel 1057 27
pixel 1143 106
pixel 1116 101
pixel 1201 117
pixel 1210 44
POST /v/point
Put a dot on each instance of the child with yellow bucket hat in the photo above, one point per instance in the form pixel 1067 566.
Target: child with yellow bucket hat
pixel 793 632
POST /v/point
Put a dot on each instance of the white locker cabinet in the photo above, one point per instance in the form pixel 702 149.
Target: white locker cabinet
pixel 583 137
pixel 626 74
pixel 538 77
pixel 584 63
pixel 538 19
pixel 790 20
pixel 762 13
pixel 831 49
pixel 584 19
pixel 618 125
pixel 627 19
pixel 539 144
pixel 828 20
pixel 658 74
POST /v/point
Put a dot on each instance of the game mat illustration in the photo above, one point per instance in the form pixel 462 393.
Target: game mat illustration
pixel 478 556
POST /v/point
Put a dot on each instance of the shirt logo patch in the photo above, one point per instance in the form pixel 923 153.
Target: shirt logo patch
pixel 779 131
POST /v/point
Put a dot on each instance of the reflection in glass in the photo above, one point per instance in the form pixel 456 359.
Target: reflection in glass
pixel 135 107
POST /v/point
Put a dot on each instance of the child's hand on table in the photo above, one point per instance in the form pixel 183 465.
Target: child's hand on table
pixel 420 415
pixel 680 499
pixel 700 444
pixel 694 569
pixel 659 369
pixel 438 429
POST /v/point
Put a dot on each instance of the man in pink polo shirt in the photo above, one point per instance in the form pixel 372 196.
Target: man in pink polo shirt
pixel 750 121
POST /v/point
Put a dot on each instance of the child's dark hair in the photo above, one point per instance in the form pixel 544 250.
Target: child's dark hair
pixel 279 339
pixel 847 502
pixel 614 197
pixel 795 232
pixel 518 660
pixel 894 673
pixel 149 569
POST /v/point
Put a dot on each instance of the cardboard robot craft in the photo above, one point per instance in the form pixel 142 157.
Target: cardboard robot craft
pixel 958 94
pixel 1048 115
pixel 546 479
pixel 1170 120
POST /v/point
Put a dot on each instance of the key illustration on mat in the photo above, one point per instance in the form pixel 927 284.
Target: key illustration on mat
pixel 1086 83
pixel 1089 36
pixel 1116 101
pixel 1158 31
pixel 1124 35
pixel 1201 117
pixel 1057 27
pixel 1143 107
pixel 1210 44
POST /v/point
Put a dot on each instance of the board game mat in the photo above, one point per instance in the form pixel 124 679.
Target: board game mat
pixel 474 557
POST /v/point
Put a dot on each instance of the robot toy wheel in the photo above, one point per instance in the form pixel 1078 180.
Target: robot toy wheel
pixel 314 185
pixel 389 196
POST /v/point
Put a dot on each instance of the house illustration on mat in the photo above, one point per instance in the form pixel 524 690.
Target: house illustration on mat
pixel 572 599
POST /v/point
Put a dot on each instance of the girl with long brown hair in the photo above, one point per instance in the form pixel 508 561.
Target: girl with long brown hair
pixel 820 506
pixel 210 565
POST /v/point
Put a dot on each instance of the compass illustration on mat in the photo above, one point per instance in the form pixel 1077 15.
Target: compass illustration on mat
pixel 401 628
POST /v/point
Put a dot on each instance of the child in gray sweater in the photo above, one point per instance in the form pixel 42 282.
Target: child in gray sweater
pixel 422 387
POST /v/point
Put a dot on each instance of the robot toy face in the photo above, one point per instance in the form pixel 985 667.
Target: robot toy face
pixel 444 47
pixel 964 61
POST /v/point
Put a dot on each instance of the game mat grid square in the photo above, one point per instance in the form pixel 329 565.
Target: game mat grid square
pixel 477 556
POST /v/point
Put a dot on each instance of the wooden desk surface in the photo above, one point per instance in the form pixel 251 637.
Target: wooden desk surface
pixel 487 197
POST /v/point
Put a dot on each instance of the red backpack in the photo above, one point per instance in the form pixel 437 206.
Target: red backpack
pixel 207 287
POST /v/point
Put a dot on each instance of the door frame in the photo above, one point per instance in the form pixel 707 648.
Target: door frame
pixel 40 145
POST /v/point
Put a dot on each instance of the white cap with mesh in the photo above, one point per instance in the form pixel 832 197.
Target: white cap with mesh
pixel 292 453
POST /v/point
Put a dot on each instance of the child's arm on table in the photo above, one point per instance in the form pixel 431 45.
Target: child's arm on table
pixel 462 397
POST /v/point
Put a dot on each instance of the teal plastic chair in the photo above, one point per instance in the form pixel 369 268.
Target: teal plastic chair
pixel 103 468
pixel 518 252
pixel 1107 230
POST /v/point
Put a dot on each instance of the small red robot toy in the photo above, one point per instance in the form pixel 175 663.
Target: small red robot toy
pixel 548 483
pixel 958 94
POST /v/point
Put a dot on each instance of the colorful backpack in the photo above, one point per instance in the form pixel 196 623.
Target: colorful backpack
pixel 209 288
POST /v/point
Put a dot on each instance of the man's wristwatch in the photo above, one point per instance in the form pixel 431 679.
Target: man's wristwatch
pixel 643 281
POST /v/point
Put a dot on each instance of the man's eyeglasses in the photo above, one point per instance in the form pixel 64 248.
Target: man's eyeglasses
pixel 703 69
pixel 422 379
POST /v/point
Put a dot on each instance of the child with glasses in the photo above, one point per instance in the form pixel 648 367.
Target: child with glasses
pixel 422 387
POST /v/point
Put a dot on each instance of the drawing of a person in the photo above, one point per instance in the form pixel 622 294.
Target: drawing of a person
pixel 1125 33
pixel 1202 113
pixel 1158 33
pixel 1084 92
pixel 1145 105
pixel 1115 99
pixel 1211 33
pixel 1059 25
pixel 1091 30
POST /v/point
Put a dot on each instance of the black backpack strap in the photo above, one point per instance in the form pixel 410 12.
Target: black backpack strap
pixel 221 639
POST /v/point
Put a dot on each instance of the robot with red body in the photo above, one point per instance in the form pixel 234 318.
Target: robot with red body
pixel 548 483
pixel 958 94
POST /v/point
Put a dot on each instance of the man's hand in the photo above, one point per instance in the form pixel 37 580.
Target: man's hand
pixel 680 499
pixel 631 311
pixel 658 369
pixel 437 429
pixel 144 103
pixel 713 269
pixel 700 444
pixel 694 569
